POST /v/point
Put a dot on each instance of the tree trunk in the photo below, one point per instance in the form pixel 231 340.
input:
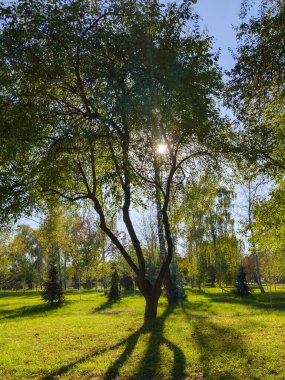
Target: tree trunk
pixel 134 284
pixel 64 272
pixel 151 306
pixel 255 253
pixel 178 284
pixel 257 272
pixel 170 288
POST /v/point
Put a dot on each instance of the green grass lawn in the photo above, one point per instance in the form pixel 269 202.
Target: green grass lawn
pixel 209 336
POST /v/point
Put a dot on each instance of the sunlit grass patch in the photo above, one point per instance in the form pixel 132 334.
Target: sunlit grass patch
pixel 211 335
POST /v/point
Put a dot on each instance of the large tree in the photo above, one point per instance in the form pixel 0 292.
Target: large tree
pixel 256 85
pixel 89 91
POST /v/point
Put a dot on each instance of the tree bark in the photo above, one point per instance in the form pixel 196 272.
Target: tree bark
pixel 151 306
pixel 175 270
pixel 255 253
pixel 170 288
pixel 257 272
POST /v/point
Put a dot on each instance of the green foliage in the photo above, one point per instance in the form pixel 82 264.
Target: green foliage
pixel 63 108
pixel 74 238
pixel 269 229
pixel 126 282
pixel 241 286
pixel 211 279
pixel 88 98
pixel 213 247
pixel 52 292
pixel 114 293
pixel 256 87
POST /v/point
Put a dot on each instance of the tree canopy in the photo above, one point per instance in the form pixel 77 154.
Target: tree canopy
pixel 256 86
pixel 89 91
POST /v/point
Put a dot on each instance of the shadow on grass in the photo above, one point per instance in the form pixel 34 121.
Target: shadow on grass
pixel 64 369
pixel 256 300
pixel 148 363
pixel 19 293
pixel 215 341
pixel 105 306
pixel 30 311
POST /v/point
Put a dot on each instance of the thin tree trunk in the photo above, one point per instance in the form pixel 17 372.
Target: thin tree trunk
pixel 57 252
pixel 255 253
pixel 213 233
pixel 64 272
pixel 134 284
pixel 177 279
pixel 257 272
pixel 170 288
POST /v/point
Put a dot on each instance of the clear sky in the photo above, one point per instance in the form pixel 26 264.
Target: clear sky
pixel 218 17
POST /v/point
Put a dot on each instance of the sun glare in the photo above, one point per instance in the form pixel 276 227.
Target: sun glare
pixel 161 149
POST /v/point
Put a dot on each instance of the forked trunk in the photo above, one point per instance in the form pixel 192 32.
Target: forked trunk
pixel 169 285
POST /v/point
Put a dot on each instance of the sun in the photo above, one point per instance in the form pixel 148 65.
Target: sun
pixel 161 148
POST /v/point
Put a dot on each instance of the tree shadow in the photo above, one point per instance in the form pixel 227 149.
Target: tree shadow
pixel 65 368
pixel 107 305
pixel 214 341
pixel 151 359
pixel 30 311
pixel 129 341
pixel 256 301
pixel 19 293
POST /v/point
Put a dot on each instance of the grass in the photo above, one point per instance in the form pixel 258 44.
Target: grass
pixel 212 335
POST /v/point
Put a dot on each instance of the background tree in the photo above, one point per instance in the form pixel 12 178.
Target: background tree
pixel 256 86
pixel 52 290
pixel 87 249
pixel 5 260
pixel 241 286
pixel 253 185
pixel 114 293
pixel 212 246
pixel 269 227
pixel 26 270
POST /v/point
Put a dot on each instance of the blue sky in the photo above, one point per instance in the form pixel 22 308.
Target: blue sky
pixel 218 17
